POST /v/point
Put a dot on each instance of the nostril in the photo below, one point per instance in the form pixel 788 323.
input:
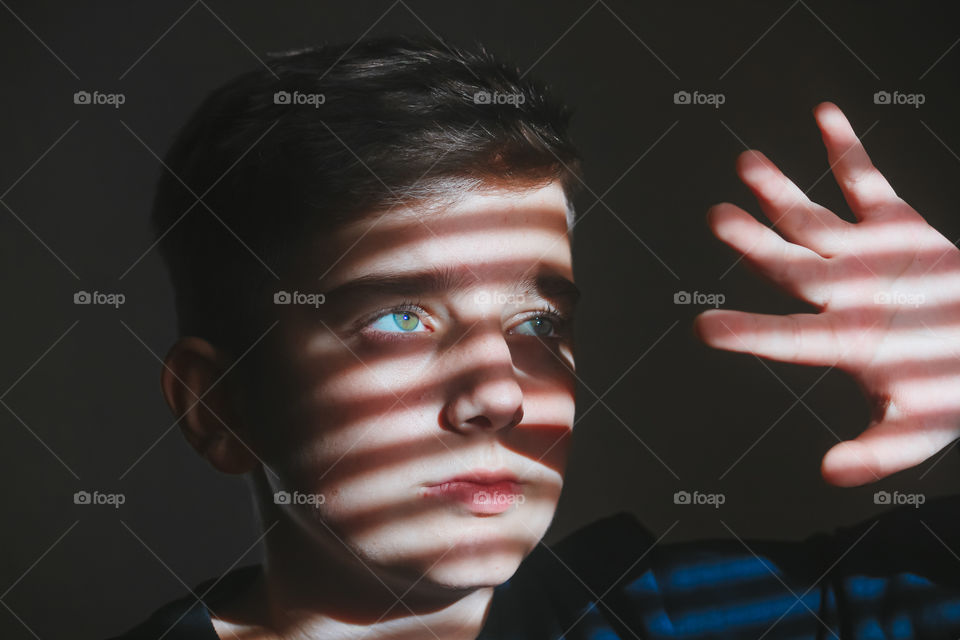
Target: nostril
pixel 480 421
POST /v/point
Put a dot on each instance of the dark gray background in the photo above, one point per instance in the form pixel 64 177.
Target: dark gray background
pixel 81 384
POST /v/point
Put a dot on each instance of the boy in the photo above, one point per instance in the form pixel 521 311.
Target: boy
pixel 370 248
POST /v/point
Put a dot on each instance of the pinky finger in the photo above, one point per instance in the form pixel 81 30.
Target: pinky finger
pixel 884 449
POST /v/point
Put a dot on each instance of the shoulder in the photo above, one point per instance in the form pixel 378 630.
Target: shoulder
pixel 183 618
pixel 558 581
pixel 187 617
pixel 596 554
pixel 569 574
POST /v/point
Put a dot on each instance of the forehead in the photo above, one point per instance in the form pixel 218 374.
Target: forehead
pixel 493 235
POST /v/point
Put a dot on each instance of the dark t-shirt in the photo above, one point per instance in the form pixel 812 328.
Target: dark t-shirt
pixel 895 576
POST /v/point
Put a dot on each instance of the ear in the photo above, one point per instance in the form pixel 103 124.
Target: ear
pixel 213 426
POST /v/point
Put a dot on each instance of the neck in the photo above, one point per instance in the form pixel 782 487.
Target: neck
pixel 319 589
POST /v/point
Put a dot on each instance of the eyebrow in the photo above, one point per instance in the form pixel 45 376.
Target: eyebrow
pixel 447 278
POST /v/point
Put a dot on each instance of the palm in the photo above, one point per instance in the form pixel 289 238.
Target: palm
pixel 884 287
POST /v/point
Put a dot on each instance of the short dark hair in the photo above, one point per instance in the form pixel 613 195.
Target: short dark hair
pixel 324 135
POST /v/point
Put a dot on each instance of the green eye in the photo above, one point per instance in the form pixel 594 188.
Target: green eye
pixel 545 324
pixel 405 321
pixel 542 326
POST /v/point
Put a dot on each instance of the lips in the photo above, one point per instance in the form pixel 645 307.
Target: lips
pixel 481 491
pixel 482 476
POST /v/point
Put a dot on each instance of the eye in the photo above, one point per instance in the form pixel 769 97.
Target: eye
pixel 547 323
pixel 403 319
pixel 407 318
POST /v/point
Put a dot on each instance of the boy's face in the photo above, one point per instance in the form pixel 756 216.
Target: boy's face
pixel 474 377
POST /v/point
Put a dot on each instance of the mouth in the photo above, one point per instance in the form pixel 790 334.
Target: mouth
pixel 481 491
pixel 482 476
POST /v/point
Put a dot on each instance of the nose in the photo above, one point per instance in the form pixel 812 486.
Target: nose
pixel 489 396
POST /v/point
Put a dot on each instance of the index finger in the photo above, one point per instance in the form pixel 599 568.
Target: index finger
pixel 863 186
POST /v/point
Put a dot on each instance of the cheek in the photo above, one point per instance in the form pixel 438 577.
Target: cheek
pixel 549 408
pixel 314 391
pixel 368 468
pixel 549 360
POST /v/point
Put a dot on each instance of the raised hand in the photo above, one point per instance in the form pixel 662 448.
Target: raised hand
pixel 888 292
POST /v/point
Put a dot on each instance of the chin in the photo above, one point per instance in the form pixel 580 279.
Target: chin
pixel 485 551
pixel 464 570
